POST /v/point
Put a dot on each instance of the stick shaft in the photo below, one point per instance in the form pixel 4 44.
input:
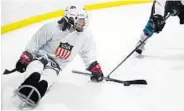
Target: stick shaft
pixel 166 17
pixel 139 81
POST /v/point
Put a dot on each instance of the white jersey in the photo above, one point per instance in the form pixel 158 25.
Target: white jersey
pixel 63 46
pixel 160 6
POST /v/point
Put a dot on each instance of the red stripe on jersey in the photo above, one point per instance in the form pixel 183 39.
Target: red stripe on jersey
pixel 68 54
pixel 64 54
pixel 57 52
pixel 61 53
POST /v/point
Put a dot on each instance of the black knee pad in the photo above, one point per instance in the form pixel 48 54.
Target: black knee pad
pixel 33 79
pixel 42 87
pixel 29 94
pixel 32 94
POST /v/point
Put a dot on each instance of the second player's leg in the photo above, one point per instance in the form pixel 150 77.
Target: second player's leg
pixel 155 23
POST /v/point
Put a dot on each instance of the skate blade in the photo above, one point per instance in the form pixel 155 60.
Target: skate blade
pixel 18 104
pixel 25 106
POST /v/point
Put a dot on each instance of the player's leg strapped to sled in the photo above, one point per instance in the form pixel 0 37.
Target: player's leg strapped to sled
pixel 38 80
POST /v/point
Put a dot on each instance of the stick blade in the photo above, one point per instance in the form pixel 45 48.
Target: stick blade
pixel 128 82
pixel 9 72
pixel 6 72
pixel 141 81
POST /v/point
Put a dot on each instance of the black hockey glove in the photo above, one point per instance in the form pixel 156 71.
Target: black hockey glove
pixel 158 22
pixel 24 60
pixel 173 7
pixel 181 16
pixel 155 24
pixel 97 74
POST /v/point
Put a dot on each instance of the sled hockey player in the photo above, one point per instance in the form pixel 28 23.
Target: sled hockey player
pixel 51 48
pixel 156 22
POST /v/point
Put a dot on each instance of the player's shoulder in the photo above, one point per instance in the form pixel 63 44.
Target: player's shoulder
pixel 52 26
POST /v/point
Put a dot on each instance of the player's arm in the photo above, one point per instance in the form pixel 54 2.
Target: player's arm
pixel 38 40
pixel 88 54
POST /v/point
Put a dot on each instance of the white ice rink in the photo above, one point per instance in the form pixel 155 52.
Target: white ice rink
pixel 116 31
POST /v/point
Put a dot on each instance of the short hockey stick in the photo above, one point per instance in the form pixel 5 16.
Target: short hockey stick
pixel 126 83
pixel 166 17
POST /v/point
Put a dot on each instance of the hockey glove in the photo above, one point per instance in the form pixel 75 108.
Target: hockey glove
pixel 97 74
pixel 173 7
pixel 155 24
pixel 158 22
pixel 181 16
pixel 23 62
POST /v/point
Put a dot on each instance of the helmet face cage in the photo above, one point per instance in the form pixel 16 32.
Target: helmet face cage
pixel 77 18
pixel 80 24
